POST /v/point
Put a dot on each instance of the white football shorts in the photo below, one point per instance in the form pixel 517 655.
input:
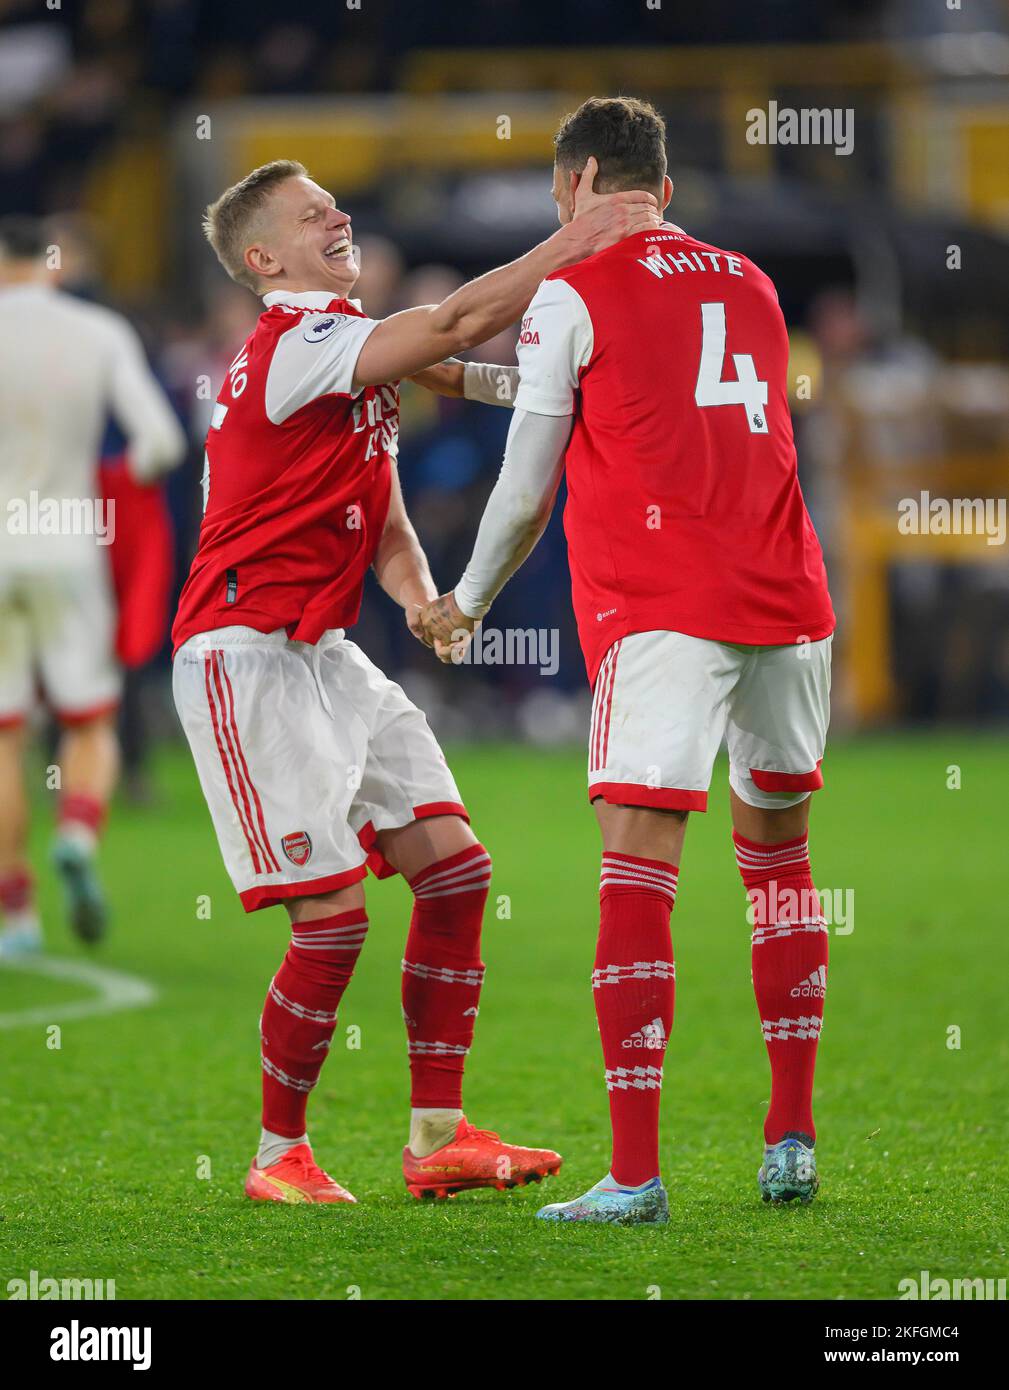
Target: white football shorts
pixel 57 632
pixel 664 701
pixel 304 753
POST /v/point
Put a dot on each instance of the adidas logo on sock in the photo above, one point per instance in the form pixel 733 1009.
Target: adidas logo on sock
pixel 813 988
pixel 652 1036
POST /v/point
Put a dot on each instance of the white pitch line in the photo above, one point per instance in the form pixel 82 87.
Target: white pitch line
pixel 116 991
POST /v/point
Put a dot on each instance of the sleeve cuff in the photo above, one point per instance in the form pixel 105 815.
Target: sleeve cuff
pixel 467 604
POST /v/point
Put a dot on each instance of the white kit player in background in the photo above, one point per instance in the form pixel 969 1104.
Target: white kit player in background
pixel 66 366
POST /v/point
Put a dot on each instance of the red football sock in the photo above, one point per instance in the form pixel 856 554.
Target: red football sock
pixel 17 892
pixel 634 984
pixel 789 959
pixel 300 1014
pixel 442 974
pixel 81 809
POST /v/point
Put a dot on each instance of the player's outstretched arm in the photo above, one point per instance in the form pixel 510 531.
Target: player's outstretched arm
pixel 443 379
pixel 406 343
pixel 488 382
pixel 400 563
pixel 515 517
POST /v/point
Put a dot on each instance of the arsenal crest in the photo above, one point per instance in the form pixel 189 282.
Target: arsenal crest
pixel 298 847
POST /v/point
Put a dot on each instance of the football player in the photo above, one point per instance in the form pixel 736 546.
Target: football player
pixel 315 766
pixel 655 375
pixel 65 367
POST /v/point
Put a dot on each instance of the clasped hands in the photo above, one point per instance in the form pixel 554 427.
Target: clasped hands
pixel 442 626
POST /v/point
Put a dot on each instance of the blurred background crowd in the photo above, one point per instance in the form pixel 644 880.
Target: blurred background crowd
pixel 431 124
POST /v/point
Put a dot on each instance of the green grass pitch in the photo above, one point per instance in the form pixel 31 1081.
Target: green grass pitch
pixel 125 1150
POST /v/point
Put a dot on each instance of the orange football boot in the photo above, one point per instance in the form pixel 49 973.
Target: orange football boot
pixel 294 1178
pixel 476 1158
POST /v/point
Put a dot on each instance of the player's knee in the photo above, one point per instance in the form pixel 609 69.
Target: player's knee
pixel 468 866
pixel 641 830
pixel 96 734
pixel 419 847
pixel 316 905
pixel 12 737
pixel 767 825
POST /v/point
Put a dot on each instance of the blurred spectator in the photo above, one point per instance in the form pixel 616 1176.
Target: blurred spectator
pixel 34 58
pixel 382 269
pixel 286 60
pixel 22 166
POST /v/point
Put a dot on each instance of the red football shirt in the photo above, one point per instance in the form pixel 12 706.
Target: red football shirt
pixel 297 477
pixel 684 510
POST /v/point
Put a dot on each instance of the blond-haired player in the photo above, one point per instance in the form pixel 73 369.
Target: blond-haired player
pixel 314 765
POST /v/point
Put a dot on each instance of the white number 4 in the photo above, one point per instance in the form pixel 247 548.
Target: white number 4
pixel 746 390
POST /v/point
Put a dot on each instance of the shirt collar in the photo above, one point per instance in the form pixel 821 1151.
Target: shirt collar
pixel 29 287
pixel 304 299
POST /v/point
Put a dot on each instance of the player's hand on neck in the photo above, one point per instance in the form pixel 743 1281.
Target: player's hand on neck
pixel 583 197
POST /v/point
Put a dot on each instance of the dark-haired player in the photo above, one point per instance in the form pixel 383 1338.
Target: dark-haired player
pixel 655 374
